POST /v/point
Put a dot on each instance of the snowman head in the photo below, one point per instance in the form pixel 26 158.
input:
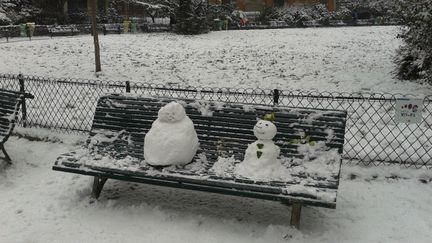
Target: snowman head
pixel 265 130
pixel 172 112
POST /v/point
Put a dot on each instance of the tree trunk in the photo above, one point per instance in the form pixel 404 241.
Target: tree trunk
pixel 65 9
pixel 93 6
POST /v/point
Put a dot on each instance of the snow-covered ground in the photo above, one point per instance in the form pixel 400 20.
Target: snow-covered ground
pixel 333 59
pixel 41 205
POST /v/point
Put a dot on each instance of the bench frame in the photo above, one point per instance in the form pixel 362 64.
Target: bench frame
pixel 20 102
pixel 102 174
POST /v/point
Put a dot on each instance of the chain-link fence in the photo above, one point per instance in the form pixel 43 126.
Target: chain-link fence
pixel 372 135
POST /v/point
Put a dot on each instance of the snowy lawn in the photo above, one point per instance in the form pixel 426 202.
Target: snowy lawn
pixel 41 205
pixel 328 59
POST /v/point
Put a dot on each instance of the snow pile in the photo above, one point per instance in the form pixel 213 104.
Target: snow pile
pixel 224 167
pixel 318 160
pixel 172 139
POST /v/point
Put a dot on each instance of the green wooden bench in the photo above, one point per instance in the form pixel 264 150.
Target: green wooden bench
pixel 10 103
pixel 112 28
pixel 62 30
pixel 115 150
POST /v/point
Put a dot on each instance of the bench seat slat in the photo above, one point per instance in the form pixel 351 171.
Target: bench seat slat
pixel 10 102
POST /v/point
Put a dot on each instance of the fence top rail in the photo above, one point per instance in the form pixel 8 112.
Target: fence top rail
pixel 282 94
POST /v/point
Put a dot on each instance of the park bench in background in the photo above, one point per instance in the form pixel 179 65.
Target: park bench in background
pixel 253 17
pixel 7 31
pixel 311 23
pixel 10 103
pixel 112 28
pixel 116 143
pixel 62 30
pixel 156 25
pixel 153 27
pixel 364 22
pixel 4 34
pixel 278 24
pixel 337 23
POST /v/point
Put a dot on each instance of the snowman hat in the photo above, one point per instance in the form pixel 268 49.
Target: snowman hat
pixel 269 117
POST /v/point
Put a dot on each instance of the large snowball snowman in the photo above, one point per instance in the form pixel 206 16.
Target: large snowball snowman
pixel 261 157
pixel 172 139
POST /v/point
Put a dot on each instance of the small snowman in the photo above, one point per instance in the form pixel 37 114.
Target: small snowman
pixel 261 156
pixel 172 139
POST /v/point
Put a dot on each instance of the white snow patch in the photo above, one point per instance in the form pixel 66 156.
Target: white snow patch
pixel 351 59
pixel 41 205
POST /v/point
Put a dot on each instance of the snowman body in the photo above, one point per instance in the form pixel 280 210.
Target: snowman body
pixel 261 156
pixel 172 139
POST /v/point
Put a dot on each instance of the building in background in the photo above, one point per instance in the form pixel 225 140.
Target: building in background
pixel 75 11
pixel 260 5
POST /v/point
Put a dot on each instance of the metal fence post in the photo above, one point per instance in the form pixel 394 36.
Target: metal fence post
pixel 275 97
pixel 23 101
pixel 128 89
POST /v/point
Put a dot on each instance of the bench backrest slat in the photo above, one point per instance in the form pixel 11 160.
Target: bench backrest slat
pixel 10 102
pixel 224 129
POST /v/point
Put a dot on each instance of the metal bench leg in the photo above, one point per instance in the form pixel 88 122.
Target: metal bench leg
pixel 98 184
pixel 7 158
pixel 295 215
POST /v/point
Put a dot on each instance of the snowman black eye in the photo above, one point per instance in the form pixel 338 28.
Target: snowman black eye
pixel 266 125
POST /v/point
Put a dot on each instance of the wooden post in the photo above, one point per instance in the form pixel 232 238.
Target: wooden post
pixel 295 215
pixel 23 100
pixel 275 97
pixel 128 87
pixel 93 7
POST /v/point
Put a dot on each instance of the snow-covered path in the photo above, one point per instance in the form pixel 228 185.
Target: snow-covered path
pixel 349 59
pixel 41 205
